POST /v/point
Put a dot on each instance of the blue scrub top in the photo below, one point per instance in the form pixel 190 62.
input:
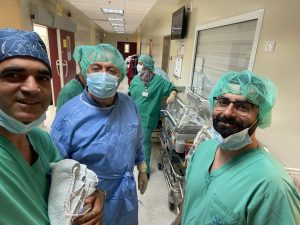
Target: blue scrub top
pixel 109 142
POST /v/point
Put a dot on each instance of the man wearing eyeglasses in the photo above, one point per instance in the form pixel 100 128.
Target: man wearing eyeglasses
pixel 231 179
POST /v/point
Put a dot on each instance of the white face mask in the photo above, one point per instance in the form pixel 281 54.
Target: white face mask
pixel 139 68
pixel 233 142
pixel 102 85
pixel 17 127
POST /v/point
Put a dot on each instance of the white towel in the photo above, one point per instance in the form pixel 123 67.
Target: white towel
pixel 71 183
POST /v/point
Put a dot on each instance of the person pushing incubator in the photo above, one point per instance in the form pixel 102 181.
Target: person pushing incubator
pixel 147 89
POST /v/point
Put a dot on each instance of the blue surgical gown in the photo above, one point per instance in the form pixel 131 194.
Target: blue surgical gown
pixel 109 142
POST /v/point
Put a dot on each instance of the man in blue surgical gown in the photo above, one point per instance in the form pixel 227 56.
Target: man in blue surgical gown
pixel 101 128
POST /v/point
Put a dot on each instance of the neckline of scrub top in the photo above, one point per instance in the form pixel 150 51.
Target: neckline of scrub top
pixel 231 163
pixel 14 152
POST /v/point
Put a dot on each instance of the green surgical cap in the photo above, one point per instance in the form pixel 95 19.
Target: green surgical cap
pixel 258 90
pixel 86 55
pixel 77 55
pixel 147 61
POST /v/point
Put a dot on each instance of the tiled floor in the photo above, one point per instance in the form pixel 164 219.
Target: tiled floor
pixel 153 205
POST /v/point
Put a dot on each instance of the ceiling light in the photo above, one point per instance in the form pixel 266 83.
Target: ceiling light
pixel 119 30
pixel 115 19
pixel 113 11
pixel 117 24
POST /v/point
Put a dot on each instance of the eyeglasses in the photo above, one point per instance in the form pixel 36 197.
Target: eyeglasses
pixel 240 107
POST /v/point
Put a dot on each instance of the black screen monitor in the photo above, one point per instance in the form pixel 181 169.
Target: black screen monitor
pixel 178 24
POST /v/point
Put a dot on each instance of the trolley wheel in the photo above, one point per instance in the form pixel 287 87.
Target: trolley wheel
pixel 159 166
pixel 171 200
pixel 171 206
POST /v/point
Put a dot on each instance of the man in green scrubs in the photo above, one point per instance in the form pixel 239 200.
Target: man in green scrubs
pixel 26 151
pixel 147 89
pixel 232 179
pixel 75 86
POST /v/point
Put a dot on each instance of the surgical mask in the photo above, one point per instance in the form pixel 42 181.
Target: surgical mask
pixel 17 127
pixel 139 68
pixel 102 85
pixel 233 142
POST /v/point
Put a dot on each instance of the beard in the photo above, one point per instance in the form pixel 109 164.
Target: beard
pixel 232 125
pixel 227 126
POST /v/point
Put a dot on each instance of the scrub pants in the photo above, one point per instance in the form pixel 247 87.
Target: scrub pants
pixel 147 146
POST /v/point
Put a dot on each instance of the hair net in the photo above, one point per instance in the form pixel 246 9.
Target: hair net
pixel 258 90
pixel 77 55
pixel 18 43
pixel 147 61
pixel 86 55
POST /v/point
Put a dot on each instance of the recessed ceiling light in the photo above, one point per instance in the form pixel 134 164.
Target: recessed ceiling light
pixel 115 19
pixel 113 11
pixel 117 24
pixel 118 29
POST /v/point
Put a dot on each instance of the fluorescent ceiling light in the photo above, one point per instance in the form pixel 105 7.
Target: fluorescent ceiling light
pixel 113 11
pixel 115 19
pixel 117 24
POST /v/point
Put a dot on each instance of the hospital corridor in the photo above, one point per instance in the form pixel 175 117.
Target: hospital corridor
pixel 149 112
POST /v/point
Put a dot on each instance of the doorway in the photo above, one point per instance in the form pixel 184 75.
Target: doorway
pixel 60 46
pixel 127 48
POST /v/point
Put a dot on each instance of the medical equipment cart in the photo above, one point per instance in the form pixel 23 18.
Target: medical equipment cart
pixel 187 118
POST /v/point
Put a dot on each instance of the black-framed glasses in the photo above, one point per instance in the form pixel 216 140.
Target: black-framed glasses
pixel 241 107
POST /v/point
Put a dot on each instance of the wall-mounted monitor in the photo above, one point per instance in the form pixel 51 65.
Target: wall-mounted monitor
pixel 178 28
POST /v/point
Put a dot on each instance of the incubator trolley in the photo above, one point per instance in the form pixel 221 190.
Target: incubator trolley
pixel 185 124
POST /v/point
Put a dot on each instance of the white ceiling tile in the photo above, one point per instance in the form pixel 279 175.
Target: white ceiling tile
pixel 134 12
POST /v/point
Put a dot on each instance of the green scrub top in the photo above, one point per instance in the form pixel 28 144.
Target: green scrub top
pixel 23 187
pixel 251 189
pixel 69 91
pixel 149 106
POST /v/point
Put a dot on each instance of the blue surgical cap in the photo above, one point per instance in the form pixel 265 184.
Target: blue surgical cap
pixel 258 90
pixel 16 43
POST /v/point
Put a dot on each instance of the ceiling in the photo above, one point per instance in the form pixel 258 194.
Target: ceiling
pixel 134 13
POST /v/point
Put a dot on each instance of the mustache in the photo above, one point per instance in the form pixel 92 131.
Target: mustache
pixel 229 120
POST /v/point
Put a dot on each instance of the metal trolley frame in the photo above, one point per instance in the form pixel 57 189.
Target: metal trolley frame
pixel 177 137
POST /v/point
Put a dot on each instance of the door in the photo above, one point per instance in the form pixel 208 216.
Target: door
pixel 61 47
pixel 67 49
pixel 53 57
pixel 126 48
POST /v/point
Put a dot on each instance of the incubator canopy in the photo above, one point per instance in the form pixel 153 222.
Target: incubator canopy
pixel 86 55
pixel 147 61
pixel 258 90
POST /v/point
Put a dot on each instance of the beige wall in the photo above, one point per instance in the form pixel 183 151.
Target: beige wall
pixel 16 13
pixel 280 24
pixel 10 14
